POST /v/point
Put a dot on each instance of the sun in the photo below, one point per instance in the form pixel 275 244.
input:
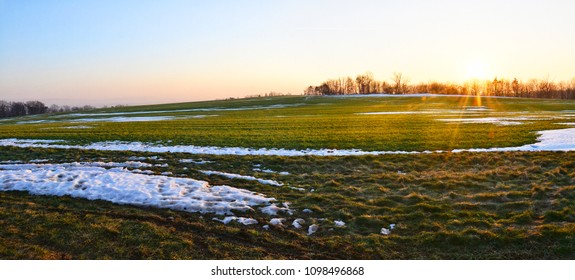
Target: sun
pixel 477 70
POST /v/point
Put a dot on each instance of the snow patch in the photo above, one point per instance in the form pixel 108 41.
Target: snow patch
pixel 489 120
pixel 549 140
pixel 273 209
pixel 242 220
pixel 339 223
pixel 297 223
pixel 194 161
pixel 237 176
pixel 312 229
pixel 123 119
pixel 121 186
pixel 277 221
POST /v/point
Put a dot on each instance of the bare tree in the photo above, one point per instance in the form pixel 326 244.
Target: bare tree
pixel 400 83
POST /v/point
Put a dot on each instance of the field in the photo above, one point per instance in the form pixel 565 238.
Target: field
pixel 369 177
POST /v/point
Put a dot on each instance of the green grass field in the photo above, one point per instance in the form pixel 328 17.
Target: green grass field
pixel 512 205
pixel 314 122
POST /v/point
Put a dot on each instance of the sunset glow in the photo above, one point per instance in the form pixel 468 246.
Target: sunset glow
pixel 136 52
pixel 479 70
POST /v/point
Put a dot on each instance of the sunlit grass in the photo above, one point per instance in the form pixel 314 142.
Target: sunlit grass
pixel 317 122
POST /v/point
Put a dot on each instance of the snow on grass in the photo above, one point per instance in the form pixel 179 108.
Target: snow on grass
pixel 518 120
pixel 242 220
pixel 339 223
pixel 124 119
pixel 277 221
pixel 312 229
pixel 194 161
pixel 270 171
pixel 155 148
pixel 491 120
pixel 69 127
pixel 238 176
pixel 121 186
pixel 297 223
pixel 273 209
pixel 549 140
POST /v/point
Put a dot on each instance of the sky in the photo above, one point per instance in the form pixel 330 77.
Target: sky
pixel 111 52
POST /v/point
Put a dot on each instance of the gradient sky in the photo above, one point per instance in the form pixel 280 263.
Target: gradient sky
pixel 140 52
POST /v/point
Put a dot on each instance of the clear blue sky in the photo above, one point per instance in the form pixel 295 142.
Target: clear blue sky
pixel 137 52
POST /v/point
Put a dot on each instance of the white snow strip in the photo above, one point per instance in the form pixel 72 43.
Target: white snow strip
pixel 148 147
pixel 490 120
pixel 124 119
pixel 77 127
pixel 270 171
pixel 39 160
pixel 237 176
pixel 11 161
pixel 194 161
pixel 297 189
pixel 121 186
pixel 241 220
pixel 549 140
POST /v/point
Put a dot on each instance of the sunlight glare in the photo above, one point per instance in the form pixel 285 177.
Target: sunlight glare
pixel 477 70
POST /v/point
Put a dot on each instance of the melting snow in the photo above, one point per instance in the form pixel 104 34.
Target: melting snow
pixel 312 229
pixel 124 119
pixel 297 223
pixel 339 223
pixel 491 120
pixel 549 140
pixel 277 221
pixel 237 176
pixel 119 185
pixel 385 231
pixel 77 127
pixel 273 209
pixel 194 161
pixel 241 220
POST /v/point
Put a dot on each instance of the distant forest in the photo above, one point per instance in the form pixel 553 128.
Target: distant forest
pixel 366 84
pixel 17 109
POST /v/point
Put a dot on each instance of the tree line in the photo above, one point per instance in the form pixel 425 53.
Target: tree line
pixel 17 109
pixel 399 84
